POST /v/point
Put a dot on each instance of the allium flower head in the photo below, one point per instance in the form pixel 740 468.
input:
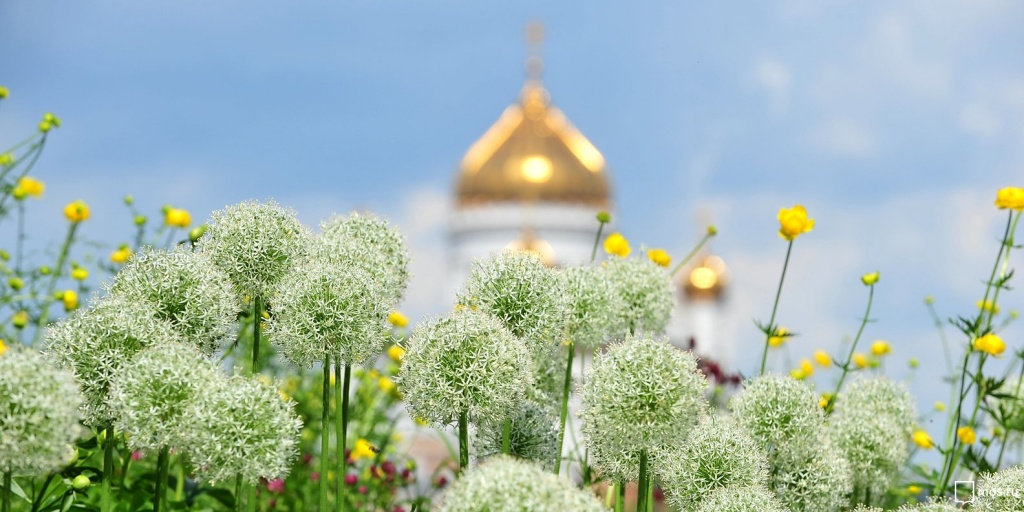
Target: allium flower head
pixel 527 297
pixel 875 445
pixel 593 306
pixel 243 427
pixel 716 454
pixel 328 310
pixel 741 499
pixel 256 244
pixel 812 480
pixel 40 414
pixel 638 396
pixel 504 484
pixel 187 289
pixel 370 243
pixel 98 343
pixel 1010 408
pixel 466 361
pixel 153 394
pixel 646 291
pixel 879 396
pixel 533 435
pixel 936 506
pixel 1001 491
pixel 778 411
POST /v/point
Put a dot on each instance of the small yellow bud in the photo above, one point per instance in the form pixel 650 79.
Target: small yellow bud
pixel 939 406
pixel 44 270
pixel 81 482
pixel 70 300
pixel 121 255
pixel 19 193
pixel 397 319
pixel 140 220
pixel 913 363
pixel 45 126
pixel 604 217
pixel 6 159
pixel 196 233
pixel 617 244
pixel 4 92
pixel 922 439
pixel 15 283
pixel 880 348
pixel 779 338
pixel 52 119
pixel 77 211
pixel 4 255
pixel 869 279
pixel 178 218
pixel 129 200
pixel 988 306
pixel 386 385
pixel 396 353
pixel 929 300
pixel 79 274
pixel 3 347
pixel 712 230
pixel 20 319
pixel 822 358
pixel 659 256
pixel 913 489
pixel 860 360
pixel 966 435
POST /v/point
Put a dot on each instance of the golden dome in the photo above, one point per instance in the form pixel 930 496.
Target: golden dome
pixel 705 279
pixel 533 153
pixel 529 242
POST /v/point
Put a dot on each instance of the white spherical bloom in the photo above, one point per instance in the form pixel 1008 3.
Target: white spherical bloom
pixel 38 414
pixel 1002 491
pixel 371 244
pixel 594 306
pixel 812 478
pixel 716 454
pixel 526 296
pixel 741 499
pixel 876 449
pixel 153 394
pixel 256 244
pixel 327 310
pixel 504 484
pixel 96 344
pixel 779 411
pixel 243 427
pixel 533 435
pixel 185 288
pixel 646 291
pixel 468 362
pixel 936 506
pixel 639 395
pixel 879 396
pixel 1010 408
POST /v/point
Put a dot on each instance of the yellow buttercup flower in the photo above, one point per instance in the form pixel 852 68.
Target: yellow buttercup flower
pixel 362 449
pixel 617 244
pixel 913 489
pixel 822 358
pixel 825 399
pixel 396 353
pixel 988 306
pixel 805 370
pixel 397 319
pixel 178 218
pixel 659 256
pixel 20 319
pixel 4 92
pixel 880 348
pixel 966 435
pixel 3 347
pixel 77 211
pixel 28 185
pixel 939 406
pixel 779 339
pixel 989 344
pixel 121 255
pixel 860 360
pixel 79 274
pixel 922 439
pixel 386 385
pixel 794 222
pixel 70 300
pixel 1010 197
pixel 869 279
pixel 6 159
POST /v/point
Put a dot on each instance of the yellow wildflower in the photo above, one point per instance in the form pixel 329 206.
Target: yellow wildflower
pixel 76 211
pixel 396 353
pixel 362 449
pixel 386 385
pixel 805 370
pixel 712 230
pixel 1010 197
pixel 604 217
pixel 922 439
pixel 121 255
pixel 28 185
pixel 397 319
pixel 3 347
pixel 880 348
pixel 825 399
pixel 794 222
pixel 939 406
pixel 659 256
pixel 617 244
pixel 15 283
pixel 860 360
pixel 966 435
pixel 990 344
pixel 79 274
pixel 70 300
pixel 822 358
pixel 913 489
pixel 988 306
pixel 6 159
pixel 20 319
pixel 4 92
pixel 779 339
pixel 421 421
pixel 178 218
pixel 869 279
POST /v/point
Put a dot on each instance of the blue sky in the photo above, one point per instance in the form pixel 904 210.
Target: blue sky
pixel 892 122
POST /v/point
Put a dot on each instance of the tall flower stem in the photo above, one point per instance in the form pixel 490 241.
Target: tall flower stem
pixel 565 405
pixel 770 330
pixel 597 240
pixel 325 433
pixel 257 317
pixel 44 312
pixel 238 493
pixel 463 441
pixel 642 482
pixel 682 263
pixel 506 437
pixel 108 468
pixel 853 348
pixel 250 501
pixel 160 491
pixel 7 492
pixel 179 484
pixel 620 500
pixel 341 383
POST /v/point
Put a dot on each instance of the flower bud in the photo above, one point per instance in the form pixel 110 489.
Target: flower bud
pixel 20 319
pixel 140 220
pixel 869 279
pixel 81 483
pixel 15 283
pixel 604 217
pixel 712 230
pixel 196 233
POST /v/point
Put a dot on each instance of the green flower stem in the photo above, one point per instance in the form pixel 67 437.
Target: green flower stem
pixel 620 500
pixel 160 491
pixel 179 484
pixel 597 241
pixel 38 150
pixel 256 320
pixel 341 383
pixel 250 500
pixel 506 437
pixel 853 348
pixel 7 492
pixel 38 502
pixel 108 469
pixel 44 312
pixel 707 236
pixel 642 482
pixel 1006 432
pixel 463 441
pixel 565 406
pixel 238 493
pixel 325 433
pixel 771 322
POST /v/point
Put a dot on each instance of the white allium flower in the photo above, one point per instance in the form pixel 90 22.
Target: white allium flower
pixel 533 435
pixel 646 291
pixel 594 306
pixel 812 480
pixel 256 244
pixel 741 499
pixel 504 484
pixel 466 361
pixel 639 395
pixel 1010 408
pixel 243 427
pixel 96 344
pixel 1002 491
pixel 371 244
pixel 328 310
pixel 879 396
pixel 38 414
pixel 778 411
pixel 876 448
pixel 527 297
pixel 716 454
pixel 937 506
pixel 185 288
pixel 864 508
pixel 153 394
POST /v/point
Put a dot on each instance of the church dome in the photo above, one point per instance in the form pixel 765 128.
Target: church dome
pixel 705 280
pixel 533 154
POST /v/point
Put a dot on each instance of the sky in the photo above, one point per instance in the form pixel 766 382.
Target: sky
pixel 894 123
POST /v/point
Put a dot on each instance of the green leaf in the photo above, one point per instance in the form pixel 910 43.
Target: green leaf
pixel 18 491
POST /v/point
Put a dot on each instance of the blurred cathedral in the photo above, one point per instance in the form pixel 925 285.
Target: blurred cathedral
pixel 534 182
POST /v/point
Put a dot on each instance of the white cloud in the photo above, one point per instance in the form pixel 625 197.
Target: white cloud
pixel 843 136
pixel 776 78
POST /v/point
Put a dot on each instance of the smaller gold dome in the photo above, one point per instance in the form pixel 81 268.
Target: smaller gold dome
pixel 705 279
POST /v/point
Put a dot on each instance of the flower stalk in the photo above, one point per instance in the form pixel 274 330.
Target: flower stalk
pixel 566 389
pixel 853 348
pixel 642 483
pixel 341 429
pixel 325 434
pixel 463 441
pixel 160 492
pixel 108 469
pixel 770 328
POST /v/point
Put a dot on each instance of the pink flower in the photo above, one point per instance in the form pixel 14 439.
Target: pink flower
pixel 136 455
pixel 351 479
pixel 276 486
pixel 362 489
pixel 314 476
